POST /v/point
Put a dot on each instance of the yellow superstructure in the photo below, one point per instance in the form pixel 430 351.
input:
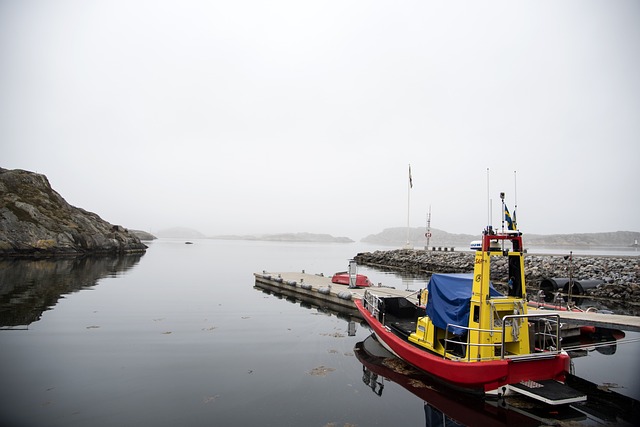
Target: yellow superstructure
pixel 496 327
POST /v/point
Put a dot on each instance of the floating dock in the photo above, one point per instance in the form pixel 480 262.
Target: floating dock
pixel 319 290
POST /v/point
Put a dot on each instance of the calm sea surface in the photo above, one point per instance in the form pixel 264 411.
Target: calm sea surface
pixel 180 336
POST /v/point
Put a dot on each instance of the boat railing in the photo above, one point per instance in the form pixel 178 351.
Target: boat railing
pixel 548 339
pixel 544 337
pixel 449 329
pixel 372 303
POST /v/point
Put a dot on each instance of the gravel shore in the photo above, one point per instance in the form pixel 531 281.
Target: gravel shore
pixel 619 290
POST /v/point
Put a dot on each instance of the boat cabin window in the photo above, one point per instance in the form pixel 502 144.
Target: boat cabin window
pixel 515 277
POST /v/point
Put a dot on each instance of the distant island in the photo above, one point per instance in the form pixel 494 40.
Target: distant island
pixel 288 237
pixel 398 236
pixel 188 233
pixel 143 235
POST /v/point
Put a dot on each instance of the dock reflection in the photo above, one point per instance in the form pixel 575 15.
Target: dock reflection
pixel 28 287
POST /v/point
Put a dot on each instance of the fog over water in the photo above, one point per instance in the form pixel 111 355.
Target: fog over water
pixel 249 117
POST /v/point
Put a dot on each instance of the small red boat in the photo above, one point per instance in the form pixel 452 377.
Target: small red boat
pixel 342 278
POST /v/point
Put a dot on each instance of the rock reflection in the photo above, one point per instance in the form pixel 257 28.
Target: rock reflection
pixel 28 287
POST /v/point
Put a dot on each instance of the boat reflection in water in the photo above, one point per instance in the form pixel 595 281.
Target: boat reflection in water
pixel 445 407
pixel 602 340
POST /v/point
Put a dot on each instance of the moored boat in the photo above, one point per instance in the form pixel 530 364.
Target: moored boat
pixel 472 337
pixel 342 278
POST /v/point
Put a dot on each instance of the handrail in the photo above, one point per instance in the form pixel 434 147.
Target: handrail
pixel 467 328
pixel 528 316
pixel 371 303
pixel 553 350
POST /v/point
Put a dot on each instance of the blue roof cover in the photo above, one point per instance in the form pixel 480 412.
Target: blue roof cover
pixel 449 300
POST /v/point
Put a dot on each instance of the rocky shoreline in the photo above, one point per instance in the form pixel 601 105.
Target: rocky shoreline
pixel 35 221
pixel 620 276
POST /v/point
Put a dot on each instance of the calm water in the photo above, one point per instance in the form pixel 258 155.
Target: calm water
pixel 180 336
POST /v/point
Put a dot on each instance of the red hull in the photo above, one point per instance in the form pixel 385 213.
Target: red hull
pixel 485 376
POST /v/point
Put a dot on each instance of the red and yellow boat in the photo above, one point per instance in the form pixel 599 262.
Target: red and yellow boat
pixel 464 332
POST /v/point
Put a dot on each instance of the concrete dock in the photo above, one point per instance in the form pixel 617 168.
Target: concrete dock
pixel 318 289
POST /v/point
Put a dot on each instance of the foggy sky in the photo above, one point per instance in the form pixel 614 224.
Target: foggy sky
pixel 241 117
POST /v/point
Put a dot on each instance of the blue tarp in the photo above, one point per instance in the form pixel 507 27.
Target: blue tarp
pixel 449 300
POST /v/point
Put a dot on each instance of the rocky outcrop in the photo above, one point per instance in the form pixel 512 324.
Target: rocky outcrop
pixel 36 221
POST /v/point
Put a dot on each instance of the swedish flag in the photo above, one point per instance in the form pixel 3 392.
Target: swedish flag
pixel 507 217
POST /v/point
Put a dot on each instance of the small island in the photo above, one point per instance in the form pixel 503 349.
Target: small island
pixel 289 237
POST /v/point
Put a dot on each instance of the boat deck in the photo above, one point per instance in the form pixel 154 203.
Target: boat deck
pixel 402 327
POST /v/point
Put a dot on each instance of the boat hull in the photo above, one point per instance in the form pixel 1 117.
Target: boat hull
pixel 474 376
pixel 362 281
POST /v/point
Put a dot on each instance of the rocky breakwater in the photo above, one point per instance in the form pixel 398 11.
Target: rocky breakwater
pixel 36 221
pixel 620 276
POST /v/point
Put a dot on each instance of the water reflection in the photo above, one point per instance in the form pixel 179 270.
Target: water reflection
pixel 445 407
pixel 28 287
pixel 602 340
pixel 442 406
pixel 322 306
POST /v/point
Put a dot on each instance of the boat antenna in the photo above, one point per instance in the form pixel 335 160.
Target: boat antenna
pixel 428 233
pixel 515 200
pixel 502 216
pixel 569 302
pixel 488 204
